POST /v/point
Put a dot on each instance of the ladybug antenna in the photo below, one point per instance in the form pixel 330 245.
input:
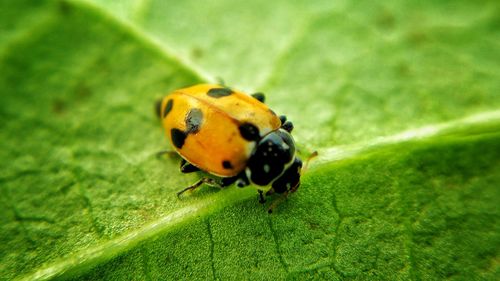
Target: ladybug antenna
pixel 311 156
pixel 220 81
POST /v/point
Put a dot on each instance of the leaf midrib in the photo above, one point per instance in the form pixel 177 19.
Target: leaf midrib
pixel 149 43
pixel 489 120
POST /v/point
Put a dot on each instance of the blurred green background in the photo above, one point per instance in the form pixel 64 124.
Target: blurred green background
pixel 401 99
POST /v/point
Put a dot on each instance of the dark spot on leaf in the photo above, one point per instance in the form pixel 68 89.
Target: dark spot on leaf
pixel 58 106
pixel 197 52
pixel 417 37
pixel 403 69
pixel 65 7
pixel 385 20
pixel 219 92
pixel 178 137
pixel 65 188
pixel 82 91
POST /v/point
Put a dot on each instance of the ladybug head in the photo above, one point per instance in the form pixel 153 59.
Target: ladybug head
pixel 273 160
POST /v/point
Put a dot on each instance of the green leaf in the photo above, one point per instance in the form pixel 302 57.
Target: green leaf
pixel 400 99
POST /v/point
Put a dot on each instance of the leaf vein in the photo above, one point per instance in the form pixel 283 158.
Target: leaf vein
pixel 337 234
pixel 145 264
pixel 88 205
pixel 22 223
pixel 212 246
pixel 277 246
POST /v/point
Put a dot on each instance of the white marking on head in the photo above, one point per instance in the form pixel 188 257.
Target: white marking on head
pixel 249 148
pixel 267 168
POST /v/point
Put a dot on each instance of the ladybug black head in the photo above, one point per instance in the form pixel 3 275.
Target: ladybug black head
pixel 274 153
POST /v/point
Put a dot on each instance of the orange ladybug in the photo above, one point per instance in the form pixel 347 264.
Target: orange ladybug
pixel 232 136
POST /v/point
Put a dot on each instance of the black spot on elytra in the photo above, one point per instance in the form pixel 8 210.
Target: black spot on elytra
pixel 227 165
pixel 194 118
pixel 219 92
pixel 168 108
pixel 249 131
pixel 178 137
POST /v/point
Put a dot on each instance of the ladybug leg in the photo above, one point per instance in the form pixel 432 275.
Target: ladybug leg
pixel 259 96
pixel 241 180
pixel 187 167
pixel 228 181
pixel 286 125
pixel 277 201
pixel 262 200
pixel 220 81
pixel 208 181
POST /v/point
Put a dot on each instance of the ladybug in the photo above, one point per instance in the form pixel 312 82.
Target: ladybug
pixel 232 136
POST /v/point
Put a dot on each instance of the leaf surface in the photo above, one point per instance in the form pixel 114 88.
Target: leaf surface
pixel 400 99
